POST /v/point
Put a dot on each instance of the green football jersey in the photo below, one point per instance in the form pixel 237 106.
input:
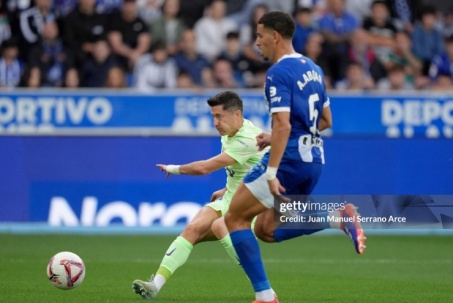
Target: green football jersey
pixel 242 148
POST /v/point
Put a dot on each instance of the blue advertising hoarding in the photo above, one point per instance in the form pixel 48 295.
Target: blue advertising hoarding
pixel 88 113
pixel 100 181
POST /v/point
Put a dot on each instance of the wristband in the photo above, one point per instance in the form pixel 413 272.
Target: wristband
pixel 271 173
pixel 173 169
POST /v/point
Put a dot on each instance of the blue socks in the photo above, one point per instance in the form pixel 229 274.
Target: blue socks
pixel 248 251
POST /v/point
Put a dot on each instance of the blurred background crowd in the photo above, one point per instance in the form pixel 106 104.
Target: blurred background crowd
pixel 149 44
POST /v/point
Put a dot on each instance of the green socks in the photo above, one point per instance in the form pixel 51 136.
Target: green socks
pixel 228 245
pixel 176 255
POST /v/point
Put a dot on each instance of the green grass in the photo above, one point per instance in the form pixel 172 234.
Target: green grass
pixel 311 269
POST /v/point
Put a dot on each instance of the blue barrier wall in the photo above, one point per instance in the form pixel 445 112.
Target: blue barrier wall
pixel 394 116
pixel 96 181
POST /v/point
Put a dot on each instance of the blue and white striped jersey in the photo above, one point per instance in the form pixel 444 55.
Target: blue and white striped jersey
pixel 295 84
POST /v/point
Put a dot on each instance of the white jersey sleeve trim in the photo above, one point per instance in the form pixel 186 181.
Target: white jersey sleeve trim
pixel 327 103
pixel 280 109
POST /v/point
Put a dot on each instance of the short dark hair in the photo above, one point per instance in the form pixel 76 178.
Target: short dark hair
pixel 229 99
pixel 10 43
pixel 378 2
pixel 303 10
pixel 280 22
pixel 232 35
pixel 427 10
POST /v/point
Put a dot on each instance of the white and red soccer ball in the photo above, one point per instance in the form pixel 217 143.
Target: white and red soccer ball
pixel 66 270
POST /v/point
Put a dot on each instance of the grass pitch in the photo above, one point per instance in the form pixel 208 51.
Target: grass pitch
pixel 312 269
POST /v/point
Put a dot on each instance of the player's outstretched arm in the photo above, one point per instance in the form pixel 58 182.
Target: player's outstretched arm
pixel 198 168
pixel 326 119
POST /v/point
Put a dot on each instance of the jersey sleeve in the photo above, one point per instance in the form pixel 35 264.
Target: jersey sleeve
pixel 278 90
pixel 241 149
pixel 326 102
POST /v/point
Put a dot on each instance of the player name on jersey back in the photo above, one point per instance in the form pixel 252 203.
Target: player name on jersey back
pixel 309 76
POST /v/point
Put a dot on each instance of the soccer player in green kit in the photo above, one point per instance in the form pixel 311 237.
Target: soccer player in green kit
pixel 240 152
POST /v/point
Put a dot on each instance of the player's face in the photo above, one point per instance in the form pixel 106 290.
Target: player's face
pixel 226 122
pixel 265 41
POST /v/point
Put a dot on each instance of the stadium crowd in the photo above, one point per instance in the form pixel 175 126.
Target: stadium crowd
pixel 361 45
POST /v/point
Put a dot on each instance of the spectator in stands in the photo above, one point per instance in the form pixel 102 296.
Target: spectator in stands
pixel 49 60
pixel 443 64
pixel 427 41
pixel 188 59
pixel 72 78
pixel 337 27
pixel 402 55
pixel 169 27
pixel 212 29
pixel 397 80
pixel 446 24
pixel 223 76
pixel 258 79
pixel 247 37
pixel 360 51
pixel 11 68
pixel 5 27
pixel 62 8
pixel 318 7
pixel 313 50
pixel 149 10
pixel 283 6
pixel 184 81
pixel 405 12
pixel 356 79
pixel 192 11
pixel 95 69
pixel 116 78
pixel 107 7
pixel 304 27
pixel 359 9
pixel 234 54
pixel 82 27
pixel 443 82
pixel 31 24
pixel 381 31
pixel 239 11
pixel 128 35
pixel 156 70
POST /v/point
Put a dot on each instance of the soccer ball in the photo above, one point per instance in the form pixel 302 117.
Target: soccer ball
pixel 66 270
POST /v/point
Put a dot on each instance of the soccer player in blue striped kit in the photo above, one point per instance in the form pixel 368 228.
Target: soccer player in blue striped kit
pixel 296 96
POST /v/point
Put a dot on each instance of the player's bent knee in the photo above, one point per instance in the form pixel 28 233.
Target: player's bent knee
pixel 195 232
pixel 219 228
pixel 235 221
pixel 231 220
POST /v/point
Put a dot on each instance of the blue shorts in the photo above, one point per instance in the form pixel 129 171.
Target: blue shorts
pixel 298 178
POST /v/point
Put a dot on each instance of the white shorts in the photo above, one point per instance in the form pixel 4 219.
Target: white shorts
pixel 260 190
